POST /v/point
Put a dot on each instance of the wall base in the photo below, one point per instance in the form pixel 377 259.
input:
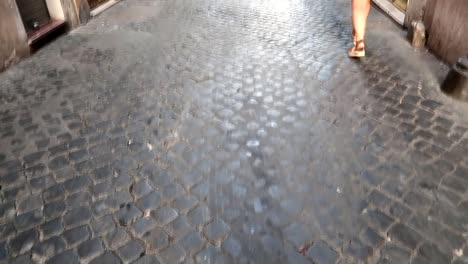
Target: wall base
pixel 391 10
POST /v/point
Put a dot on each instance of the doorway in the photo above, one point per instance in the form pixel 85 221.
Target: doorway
pixel 95 3
pixel 400 4
pixel 34 13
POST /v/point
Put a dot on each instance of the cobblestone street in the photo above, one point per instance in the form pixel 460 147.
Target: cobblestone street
pixel 231 131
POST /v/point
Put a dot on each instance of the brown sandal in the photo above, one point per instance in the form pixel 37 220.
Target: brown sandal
pixel 356 52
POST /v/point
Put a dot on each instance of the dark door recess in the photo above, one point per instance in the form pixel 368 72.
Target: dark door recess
pixel 95 3
pixel 34 13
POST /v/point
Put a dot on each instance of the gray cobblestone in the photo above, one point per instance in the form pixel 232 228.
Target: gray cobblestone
pixel 68 256
pixel 77 216
pixel 105 206
pixel 192 242
pixel 210 255
pixel 372 238
pixel 294 257
pixel 199 216
pixel 405 235
pixel 131 251
pixel 116 238
pixel 28 220
pixel 140 189
pixel 156 239
pixel 107 258
pixel 359 250
pixel 297 234
pixel 320 252
pixel 149 202
pixel 90 249
pixel 16 192
pixel 102 225
pixel 78 199
pixel 393 254
pixel 143 225
pixel 77 183
pixel 51 228
pixel 102 173
pixel 41 183
pixel 54 209
pixel 3 251
pixel 147 260
pixel 50 247
pixel 433 254
pixel 249 111
pixel 179 227
pixel 54 193
pixel 185 204
pixel 172 254
pixel 7 210
pixel 378 219
pixel 127 215
pixel 28 204
pixel 23 242
pixel 101 190
pixel 77 235
pixel 216 231
pixel 232 246
pixel 6 231
pixel 165 215
pixel 24 259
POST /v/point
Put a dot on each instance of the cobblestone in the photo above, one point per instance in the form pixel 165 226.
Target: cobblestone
pixel 165 215
pixel 216 231
pixel 172 254
pixel 432 253
pixel 179 227
pixel 51 228
pixel 117 238
pixel 127 215
pixel 107 258
pixel 77 216
pixel 68 256
pixel 209 255
pixel 101 226
pixel 193 242
pixel 143 225
pixel 185 203
pixel 140 189
pixel 322 253
pixel 50 247
pixel 156 239
pixel 131 251
pixel 90 249
pixel 405 235
pixel 28 204
pixel 77 235
pixel 297 234
pixel 199 216
pixel 147 260
pixel 6 231
pixel 150 202
pixel 28 220
pixel 139 131
pixel 23 242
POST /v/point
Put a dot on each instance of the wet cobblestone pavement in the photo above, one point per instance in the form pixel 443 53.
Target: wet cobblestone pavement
pixel 230 131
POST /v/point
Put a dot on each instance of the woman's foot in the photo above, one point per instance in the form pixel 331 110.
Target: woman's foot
pixel 358 50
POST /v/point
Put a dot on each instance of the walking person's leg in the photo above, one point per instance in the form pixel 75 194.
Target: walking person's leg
pixel 361 9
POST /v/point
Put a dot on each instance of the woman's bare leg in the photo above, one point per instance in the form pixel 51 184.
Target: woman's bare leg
pixel 361 9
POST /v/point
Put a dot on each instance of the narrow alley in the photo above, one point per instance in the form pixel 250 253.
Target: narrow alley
pixel 231 131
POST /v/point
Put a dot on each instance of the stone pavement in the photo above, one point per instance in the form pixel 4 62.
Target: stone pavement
pixel 231 131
